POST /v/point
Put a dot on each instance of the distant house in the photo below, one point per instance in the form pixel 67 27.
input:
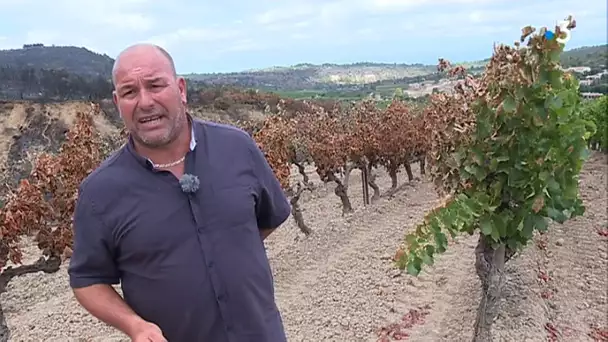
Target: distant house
pixel 36 45
pixel 591 95
pixel 591 79
pixel 594 77
pixel 581 69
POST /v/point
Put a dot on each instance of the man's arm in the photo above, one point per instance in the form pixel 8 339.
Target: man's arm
pixel 103 302
pixel 92 270
pixel 272 206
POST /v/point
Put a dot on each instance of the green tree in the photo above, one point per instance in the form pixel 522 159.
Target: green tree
pixel 398 94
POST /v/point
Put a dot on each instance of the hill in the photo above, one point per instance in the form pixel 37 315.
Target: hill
pixel 74 60
pixel 340 76
pixel 594 57
pixel 54 72
pixel 310 76
pixel 76 73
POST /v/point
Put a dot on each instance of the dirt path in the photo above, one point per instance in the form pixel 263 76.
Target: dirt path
pixel 557 289
pixel 340 285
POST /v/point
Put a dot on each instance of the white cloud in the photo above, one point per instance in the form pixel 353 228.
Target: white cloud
pixel 334 12
pixel 193 36
pixel 109 14
pixel 403 5
pixel 6 3
pixel 284 14
pixel 300 36
pixel 476 16
pixel 229 29
pixel 37 36
pixel 304 23
pixel 243 45
pixel 395 4
pixel 128 21
pixel 4 43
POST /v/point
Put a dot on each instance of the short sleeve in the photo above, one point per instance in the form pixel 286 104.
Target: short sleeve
pixel 272 207
pixel 92 260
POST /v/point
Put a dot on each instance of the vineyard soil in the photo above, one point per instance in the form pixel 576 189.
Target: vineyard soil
pixel 339 284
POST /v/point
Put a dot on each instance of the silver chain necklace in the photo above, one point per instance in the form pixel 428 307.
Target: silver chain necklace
pixel 162 166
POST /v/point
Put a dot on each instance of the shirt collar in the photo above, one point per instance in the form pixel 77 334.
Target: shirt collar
pixel 192 136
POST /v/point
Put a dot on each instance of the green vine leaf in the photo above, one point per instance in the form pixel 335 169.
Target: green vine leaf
pixel 509 154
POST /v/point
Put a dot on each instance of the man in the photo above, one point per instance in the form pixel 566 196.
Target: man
pixel 190 259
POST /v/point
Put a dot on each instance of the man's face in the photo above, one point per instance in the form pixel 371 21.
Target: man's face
pixel 150 99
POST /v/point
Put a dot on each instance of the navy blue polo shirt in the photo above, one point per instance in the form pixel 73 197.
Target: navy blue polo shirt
pixel 194 264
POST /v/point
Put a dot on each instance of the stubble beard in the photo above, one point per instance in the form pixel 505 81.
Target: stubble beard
pixel 170 135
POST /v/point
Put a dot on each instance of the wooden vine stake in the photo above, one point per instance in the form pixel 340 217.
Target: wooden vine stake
pixel 365 185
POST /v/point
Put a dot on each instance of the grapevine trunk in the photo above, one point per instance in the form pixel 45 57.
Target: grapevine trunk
pixel 302 171
pixel 4 332
pixel 392 172
pixel 341 189
pixel 371 180
pixel 296 211
pixel 408 170
pixel 490 267
pixel 49 265
pixel 423 165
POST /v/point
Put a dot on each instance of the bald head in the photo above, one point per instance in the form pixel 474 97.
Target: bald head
pixel 146 87
pixel 137 51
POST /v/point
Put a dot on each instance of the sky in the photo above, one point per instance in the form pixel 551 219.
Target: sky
pixel 236 35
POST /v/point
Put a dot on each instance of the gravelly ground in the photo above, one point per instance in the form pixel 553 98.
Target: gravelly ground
pixel 339 283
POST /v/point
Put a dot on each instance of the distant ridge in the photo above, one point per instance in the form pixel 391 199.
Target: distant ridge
pixel 75 60
pixel 88 64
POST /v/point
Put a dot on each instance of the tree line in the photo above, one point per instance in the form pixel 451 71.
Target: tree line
pixel 24 83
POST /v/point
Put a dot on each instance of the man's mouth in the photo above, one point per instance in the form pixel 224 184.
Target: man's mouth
pixel 152 118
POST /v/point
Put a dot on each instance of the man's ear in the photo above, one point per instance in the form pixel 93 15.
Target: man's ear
pixel 183 89
pixel 115 100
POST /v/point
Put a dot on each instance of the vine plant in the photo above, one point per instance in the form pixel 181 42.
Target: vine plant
pixel 43 205
pixel 508 158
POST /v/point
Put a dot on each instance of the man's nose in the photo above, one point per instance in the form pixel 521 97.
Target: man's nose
pixel 145 99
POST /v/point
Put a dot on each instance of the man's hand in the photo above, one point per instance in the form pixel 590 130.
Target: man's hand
pixel 148 332
pixel 265 232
